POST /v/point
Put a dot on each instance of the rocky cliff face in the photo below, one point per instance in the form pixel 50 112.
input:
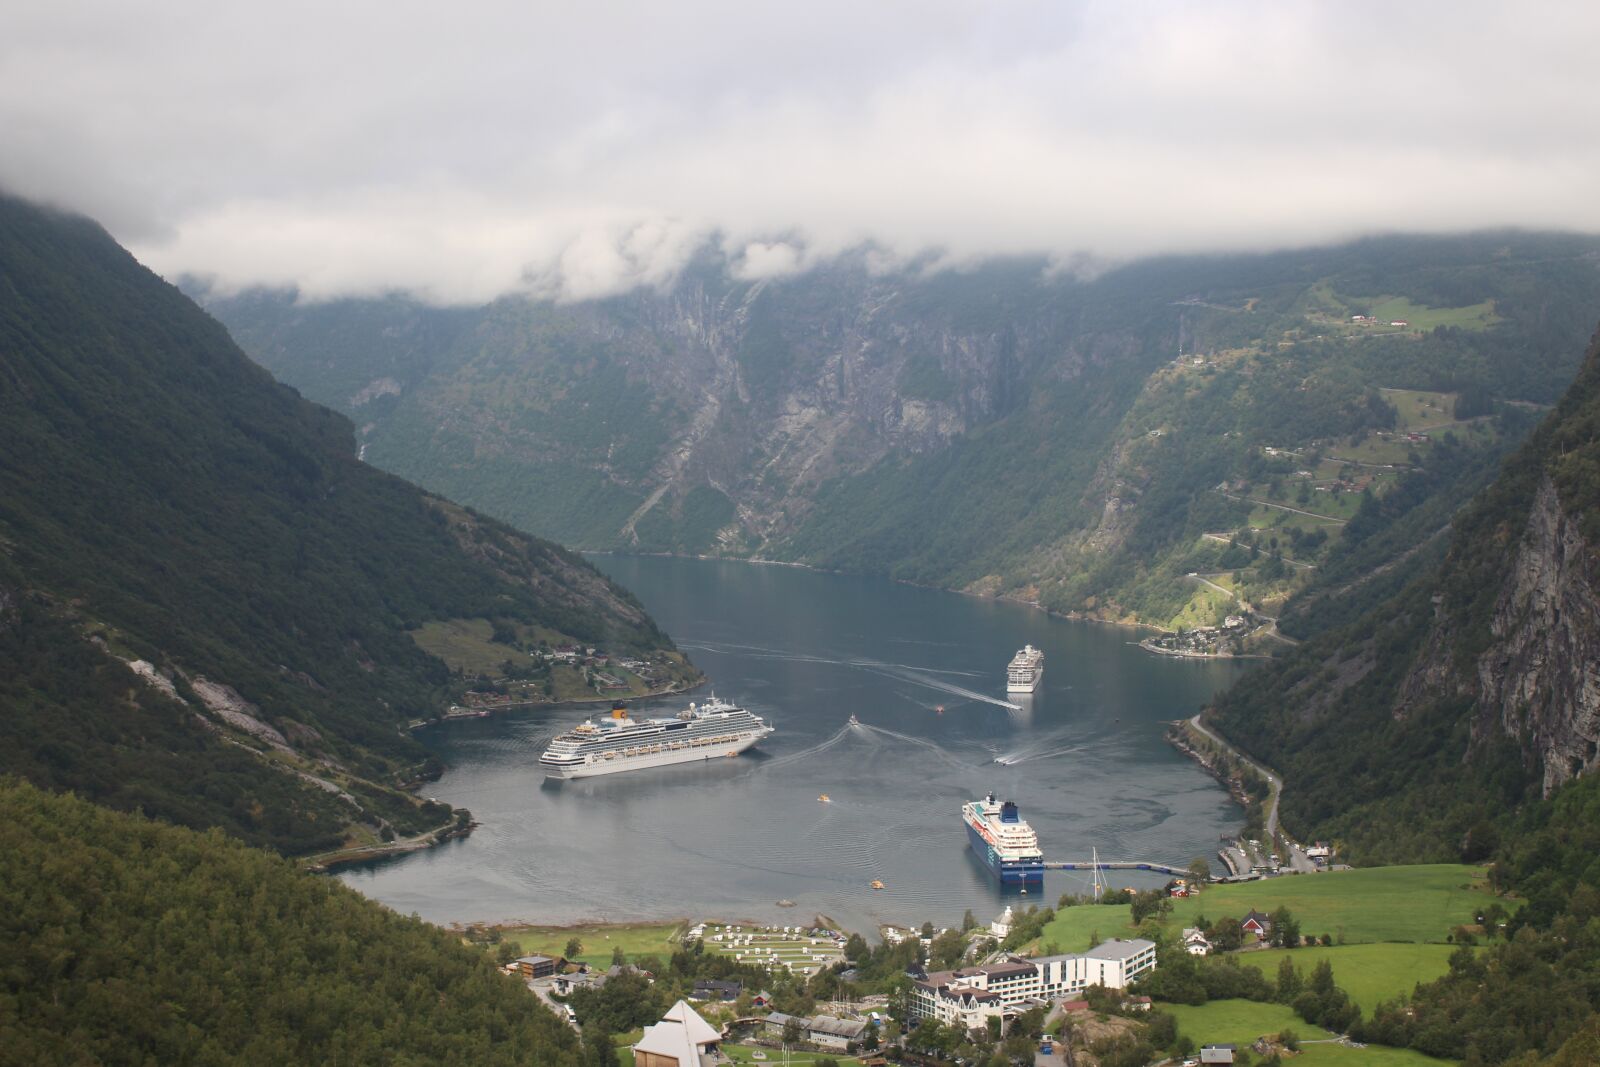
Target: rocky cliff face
pixel 1540 679
pixel 1003 430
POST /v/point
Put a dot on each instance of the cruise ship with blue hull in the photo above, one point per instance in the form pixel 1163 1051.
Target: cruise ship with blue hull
pixel 1003 841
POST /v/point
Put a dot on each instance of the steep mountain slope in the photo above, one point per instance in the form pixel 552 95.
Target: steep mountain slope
pixel 126 941
pixel 206 601
pixel 1413 730
pixel 1004 430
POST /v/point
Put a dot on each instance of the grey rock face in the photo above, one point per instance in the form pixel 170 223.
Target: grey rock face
pixel 1540 680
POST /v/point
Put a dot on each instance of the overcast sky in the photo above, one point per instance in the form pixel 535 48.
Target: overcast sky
pixel 460 151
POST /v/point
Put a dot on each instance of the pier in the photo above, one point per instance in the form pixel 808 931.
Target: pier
pixel 1115 865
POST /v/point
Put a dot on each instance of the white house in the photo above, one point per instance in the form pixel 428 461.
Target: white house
pixel 1195 943
pixel 1001 927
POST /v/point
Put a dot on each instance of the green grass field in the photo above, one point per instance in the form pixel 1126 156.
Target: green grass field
pixel 1417 408
pixel 1237 1022
pixel 635 940
pixel 464 645
pixel 1418 903
pixel 1371 1056
pixel 1422 317
pixel 1369 973
pixel 1372 904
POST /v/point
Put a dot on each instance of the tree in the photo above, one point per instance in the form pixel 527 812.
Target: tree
pixel 968 921
pixel 1289 984
pixel 1285 928
pixel 791 1032
pixel 927 930
pixel 869 1037
pixel 574 948
pixel 597 1047
pixel 855 949
pixel 618 957
pixel 1322 978
pixel 1227 934
pixel 1199 870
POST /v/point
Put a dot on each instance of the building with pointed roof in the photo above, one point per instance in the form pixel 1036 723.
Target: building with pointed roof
pixel 681 1039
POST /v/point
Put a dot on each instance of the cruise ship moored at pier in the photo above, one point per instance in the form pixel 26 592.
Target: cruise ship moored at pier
pixel 711 730
pixel 1004 842
pixel 1025 670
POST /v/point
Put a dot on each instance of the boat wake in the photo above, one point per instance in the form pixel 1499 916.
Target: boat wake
pixel 807 753
pixel 941 753
pixel 915 675
pixel 1011 759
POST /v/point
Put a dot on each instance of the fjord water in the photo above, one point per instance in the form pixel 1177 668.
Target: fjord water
pixel 1084 756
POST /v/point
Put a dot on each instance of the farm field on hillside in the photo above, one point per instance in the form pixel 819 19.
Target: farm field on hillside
pixel 1237 1022
pixel 1372 904
pixel 1416 903
pixel 1369 973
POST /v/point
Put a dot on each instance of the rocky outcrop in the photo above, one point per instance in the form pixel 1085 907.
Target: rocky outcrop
pixel 1540 679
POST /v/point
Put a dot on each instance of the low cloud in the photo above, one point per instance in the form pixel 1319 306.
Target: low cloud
pixel 582 150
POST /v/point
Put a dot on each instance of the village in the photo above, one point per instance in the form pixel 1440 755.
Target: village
pixel 1009 995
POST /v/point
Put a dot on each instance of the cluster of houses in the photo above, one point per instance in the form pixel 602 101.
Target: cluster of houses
pixel 1202 640
pixel 1370 320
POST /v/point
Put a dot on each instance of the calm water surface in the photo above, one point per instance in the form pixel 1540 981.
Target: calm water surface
pixel 728 839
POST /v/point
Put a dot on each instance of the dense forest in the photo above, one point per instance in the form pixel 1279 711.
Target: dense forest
pixel 166 507
pixel 123 940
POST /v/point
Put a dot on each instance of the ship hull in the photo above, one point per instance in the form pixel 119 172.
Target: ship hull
pixel 1026 687
pixel 657 759
pixel 1006 872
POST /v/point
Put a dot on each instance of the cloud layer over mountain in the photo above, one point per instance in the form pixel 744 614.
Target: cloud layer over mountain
pixel 463 151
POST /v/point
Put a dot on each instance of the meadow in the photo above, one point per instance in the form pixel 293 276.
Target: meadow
pixel 1369 973
pixel 1372 904
pixel 599 940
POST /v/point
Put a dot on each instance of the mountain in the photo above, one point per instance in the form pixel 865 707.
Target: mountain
pixel 1416 730
pixel 210 610
pixel 1084 443
pixel 127 941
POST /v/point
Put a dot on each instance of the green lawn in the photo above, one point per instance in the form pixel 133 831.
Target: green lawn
pixel 1237 1022
pixel 1371 1056
pixel 1417 903
pixel 1072 928
pixel 1369 973
pixel 635 940
pixel 1373 904
pixel 1240 1022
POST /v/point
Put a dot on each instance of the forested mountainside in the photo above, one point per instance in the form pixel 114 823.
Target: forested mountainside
pixel 1084 444
pixel 1413 731
pixel 123 940
pixel 207 603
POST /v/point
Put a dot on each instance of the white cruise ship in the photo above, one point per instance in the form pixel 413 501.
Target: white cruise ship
pixel 709 731
pixel 1025 671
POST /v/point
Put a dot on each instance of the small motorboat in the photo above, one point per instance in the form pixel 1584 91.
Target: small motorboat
pixel 824 799
pixel 877 883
